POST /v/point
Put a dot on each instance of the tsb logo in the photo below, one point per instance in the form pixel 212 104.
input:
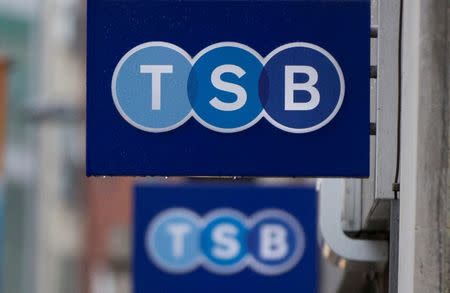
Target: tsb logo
pixel 228 87
pixel 224 241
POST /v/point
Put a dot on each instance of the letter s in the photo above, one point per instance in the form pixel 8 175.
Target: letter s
pixel 241 94
pixel 225 236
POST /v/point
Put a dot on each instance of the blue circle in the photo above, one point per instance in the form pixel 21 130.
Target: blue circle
pixel 133 83
pixel 202 90
pixel 173 241
pixel 276 242
pixel 329 86
pixel 256 239
pixel 224 243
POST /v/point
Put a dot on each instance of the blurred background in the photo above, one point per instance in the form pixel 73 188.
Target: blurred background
pixel 45 208
pixel 61 231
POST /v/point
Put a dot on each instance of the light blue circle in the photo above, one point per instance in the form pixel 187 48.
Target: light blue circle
pixel 163 243
pixel 211 245
pixel 202 90
pixel 132 89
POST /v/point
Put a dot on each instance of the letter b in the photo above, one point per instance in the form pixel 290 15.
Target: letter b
pixel 276 241
pixel 273 242
pixel 290 87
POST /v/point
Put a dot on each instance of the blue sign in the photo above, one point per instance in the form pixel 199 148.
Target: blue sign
pixel 186 240
pixel 237 88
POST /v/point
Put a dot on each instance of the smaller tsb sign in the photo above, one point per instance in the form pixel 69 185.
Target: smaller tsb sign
pixel 271 242
pixel 188 241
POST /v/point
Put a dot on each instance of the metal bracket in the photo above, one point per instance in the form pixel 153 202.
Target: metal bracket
pixel 373 128
pixel 396 187
pixel 348 253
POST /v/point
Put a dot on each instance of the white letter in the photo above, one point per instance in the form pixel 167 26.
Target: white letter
pixel 290 87
pixel 156 71
pixel 178 231
pixel 224 235
pixel 228 87
pixel 273 242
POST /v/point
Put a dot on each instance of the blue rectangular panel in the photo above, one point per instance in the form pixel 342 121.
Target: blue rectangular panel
pixel 245 238
pixel 228 88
